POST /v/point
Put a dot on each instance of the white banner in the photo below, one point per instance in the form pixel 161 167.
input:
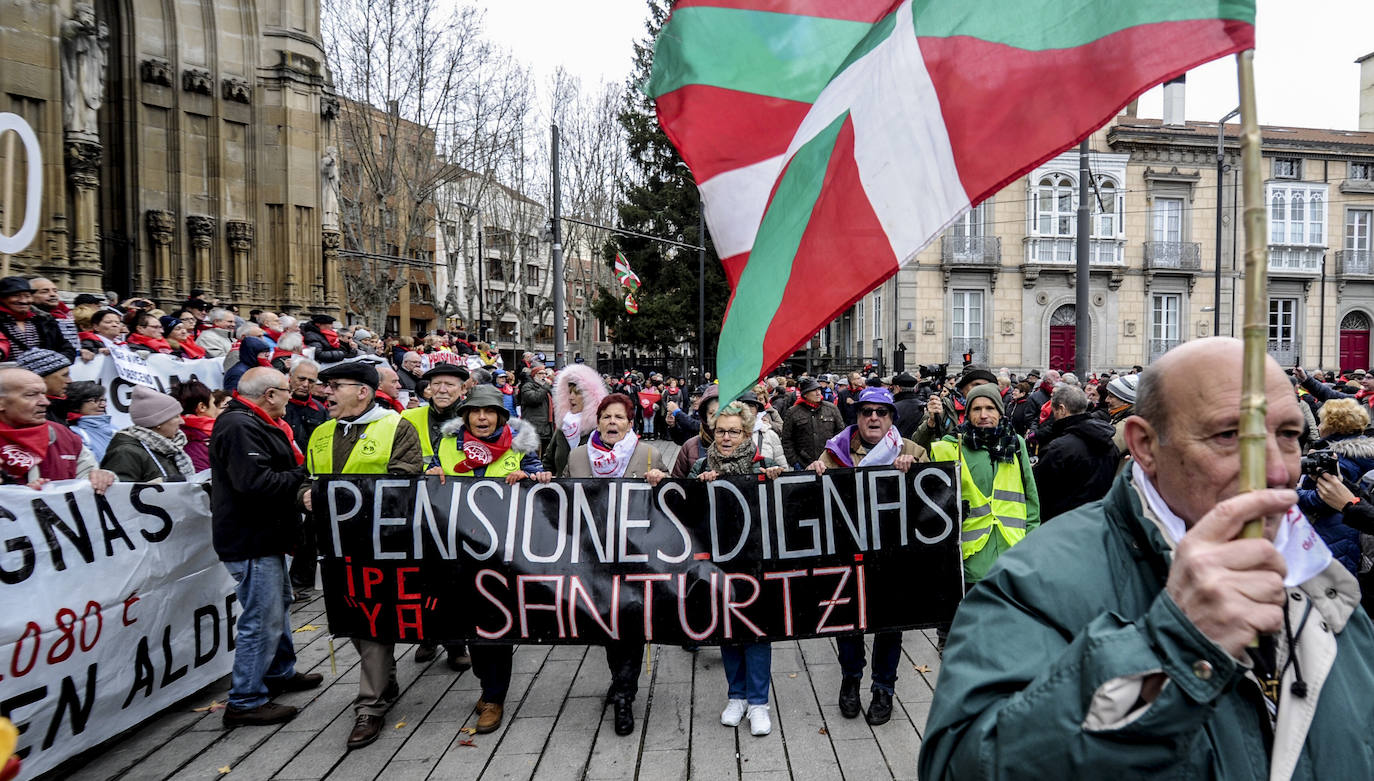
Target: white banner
pixel 115 608
pixel 120 377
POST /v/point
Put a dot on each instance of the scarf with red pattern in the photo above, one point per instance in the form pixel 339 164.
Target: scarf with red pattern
pixel 478 452
pixel 22 449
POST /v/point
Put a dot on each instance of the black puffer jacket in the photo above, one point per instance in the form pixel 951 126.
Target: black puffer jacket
pixel 324 351
pixel 255 477
pixel 1077 465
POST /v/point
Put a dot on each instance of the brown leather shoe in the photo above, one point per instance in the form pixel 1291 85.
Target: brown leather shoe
pixel 297 683
pixel 266 713
pixel 488 717
pixel 365 731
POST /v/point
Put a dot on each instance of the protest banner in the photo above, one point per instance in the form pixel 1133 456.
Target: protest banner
pixel 588 561
pixel 119 374
pixel 116 606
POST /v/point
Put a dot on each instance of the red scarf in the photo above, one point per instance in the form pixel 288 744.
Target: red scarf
pixel 192 351
pixel 802 400
pixel 198 423
pixel 331 336
pixel 390 402
pixel 156 345
pixel 278 353
pixel 22 449
pixel 479 453
pixel 272 334
pixel 309 402
pixel 88 336
pixel 61 311
pixel 277 423
pixel 16 314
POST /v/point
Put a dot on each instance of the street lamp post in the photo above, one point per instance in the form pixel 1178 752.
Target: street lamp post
pixel 1216 272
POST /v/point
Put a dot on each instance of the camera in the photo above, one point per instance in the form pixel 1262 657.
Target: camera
pixel 1320 462
pixel 933 373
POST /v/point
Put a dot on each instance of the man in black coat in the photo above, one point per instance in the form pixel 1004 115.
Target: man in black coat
pixel 910 407
pixel 304 413
pixel 24 326
pixel 330 345
pixel 1078 461
pixel 256 469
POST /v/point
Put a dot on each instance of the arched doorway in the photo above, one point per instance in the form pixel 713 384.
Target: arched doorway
pixel 1063 332
pixel 1355 341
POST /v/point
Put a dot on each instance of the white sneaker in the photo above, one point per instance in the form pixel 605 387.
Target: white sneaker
pixel 759 723
pixel 733 713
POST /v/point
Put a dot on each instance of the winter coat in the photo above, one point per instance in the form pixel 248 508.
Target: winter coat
pixel 255 476
pixel 215 341
pixel 134 463
pixel 910 412
pixel 687 455
pixel 981 469
pixel 325 353
pixel 197 447
pixel 641 461
pixel 49 335
pixel 304 418
pixel 909 448
pixel 536 406
pixel 1040 674
pixel 96 431
pixel 805 432
pixel 1356 453
pixel 947 423
pixel 249 350
pixel 847 401
pixel 1077 466
pixel 524 440
pixel 1023 413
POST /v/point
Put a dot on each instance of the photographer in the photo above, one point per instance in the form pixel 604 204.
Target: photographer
pixel 1342 427
pixel 1357 512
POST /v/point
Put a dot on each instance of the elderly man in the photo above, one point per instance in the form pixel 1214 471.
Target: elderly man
pixel 389 389
pixel 56 372
pixel 33 449
pixel 304 413
pixel 808 425
pixel 256 469
pixel 218 338
pixel 350 390
pixel 47 301
pixel 871 441
pixel 1077 459
pixel 411 370
pixel 24 326
pixel 1116 643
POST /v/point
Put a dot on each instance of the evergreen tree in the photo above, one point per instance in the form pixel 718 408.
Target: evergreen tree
pixel 660 199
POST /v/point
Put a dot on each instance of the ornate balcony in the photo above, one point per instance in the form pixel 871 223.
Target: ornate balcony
pixel 960 345
pixel 1173 256
pixel 1063 251
pixel 1295 260
pixel 970 250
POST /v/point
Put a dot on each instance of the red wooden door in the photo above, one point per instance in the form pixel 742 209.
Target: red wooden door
pixel 1354 349
pixel 1062 347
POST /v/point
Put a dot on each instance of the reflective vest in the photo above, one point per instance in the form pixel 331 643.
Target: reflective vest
pixel 419 418
pixel 1005 510
pixel 370 454
pixel 449 455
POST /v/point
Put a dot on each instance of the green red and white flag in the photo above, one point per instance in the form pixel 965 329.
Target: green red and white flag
pixel 834 139
pixel 623 274
pixel 631 305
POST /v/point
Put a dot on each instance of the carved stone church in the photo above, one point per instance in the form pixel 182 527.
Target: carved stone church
pixel 183 145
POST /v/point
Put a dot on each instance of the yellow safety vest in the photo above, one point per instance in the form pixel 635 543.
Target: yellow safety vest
pixel 370 455
pixel 1005 510
pixel 419 418
pixel 449 457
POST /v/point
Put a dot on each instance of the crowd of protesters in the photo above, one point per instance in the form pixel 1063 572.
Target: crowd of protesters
pixel 301 393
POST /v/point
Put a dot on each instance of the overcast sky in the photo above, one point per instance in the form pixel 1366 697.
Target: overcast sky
pixel 1304 58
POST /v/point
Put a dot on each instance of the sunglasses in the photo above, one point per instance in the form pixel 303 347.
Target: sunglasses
pixel 881 412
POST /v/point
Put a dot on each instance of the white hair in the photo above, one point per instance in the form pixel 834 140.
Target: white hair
pixel 297 361
pixel 286 322
pixel 290 342
pixel 411 354
pixel 219 314
pixel 244 329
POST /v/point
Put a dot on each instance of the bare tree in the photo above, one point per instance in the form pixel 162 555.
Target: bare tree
pixel 403 67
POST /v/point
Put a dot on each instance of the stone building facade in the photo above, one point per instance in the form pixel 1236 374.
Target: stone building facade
pixel 1000 283
pixel 199 165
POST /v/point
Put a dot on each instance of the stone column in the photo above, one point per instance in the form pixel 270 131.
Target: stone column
pixel 201 229
pixel 162 227
pixel 83 176
pixel 329 271
pixel 240 243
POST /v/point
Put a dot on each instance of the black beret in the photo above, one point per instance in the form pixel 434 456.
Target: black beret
pixel 447 370
pixel 357 371
pixel 322 319
pixel 905 380
pixel 87 298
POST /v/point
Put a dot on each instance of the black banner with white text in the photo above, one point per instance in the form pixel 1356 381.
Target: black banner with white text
pixel 686 562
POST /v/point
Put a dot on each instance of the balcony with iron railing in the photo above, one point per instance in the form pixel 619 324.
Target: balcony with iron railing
pixel 1063 251
pixel 1295 259
pixel 1285 352
pixel 958 345
pixel 1173 256
pixel 970 250
pixel 1354 263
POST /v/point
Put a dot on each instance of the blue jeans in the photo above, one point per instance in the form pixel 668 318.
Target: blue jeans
pixel 887 652
pixel 263 647
pixel 748 671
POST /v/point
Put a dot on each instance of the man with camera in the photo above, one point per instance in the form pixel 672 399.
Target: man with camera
pixel 945 411
pixel 1117 641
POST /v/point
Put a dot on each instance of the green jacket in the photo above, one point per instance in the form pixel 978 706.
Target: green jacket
pixel 980 466
pixel 1041 671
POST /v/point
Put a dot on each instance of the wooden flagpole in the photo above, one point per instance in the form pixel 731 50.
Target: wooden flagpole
pixel 1253 406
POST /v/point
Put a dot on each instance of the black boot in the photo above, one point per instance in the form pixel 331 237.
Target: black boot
pixel 624 716
pixel 849 698
pixel 879 708
pixel 426 653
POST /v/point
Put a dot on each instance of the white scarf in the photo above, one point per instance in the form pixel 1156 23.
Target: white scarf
pixel 572 427
pixel 613 462
pixel 1302 549
pixel 373 413
pixel 885 452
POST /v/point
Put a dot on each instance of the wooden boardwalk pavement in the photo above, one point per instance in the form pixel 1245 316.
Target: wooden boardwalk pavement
pixel 555 725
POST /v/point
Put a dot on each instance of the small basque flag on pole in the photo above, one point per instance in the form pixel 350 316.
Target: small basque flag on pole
pixel 623 274
pixel 631 305
pixel 832 140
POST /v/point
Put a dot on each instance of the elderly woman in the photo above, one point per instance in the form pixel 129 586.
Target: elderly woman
pixel 87 415
pixel 180 337
pixel 614 450
pixel 577 393
pixel 153 449
pixel 107 323
pixel 748 666
pixel 1342 425
pixel 146 334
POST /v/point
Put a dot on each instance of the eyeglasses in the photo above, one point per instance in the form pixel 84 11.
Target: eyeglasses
pixel 336 384
pixel 729 432
pixel 881 412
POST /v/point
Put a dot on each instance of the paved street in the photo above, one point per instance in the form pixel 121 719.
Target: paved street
pixel 555 728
